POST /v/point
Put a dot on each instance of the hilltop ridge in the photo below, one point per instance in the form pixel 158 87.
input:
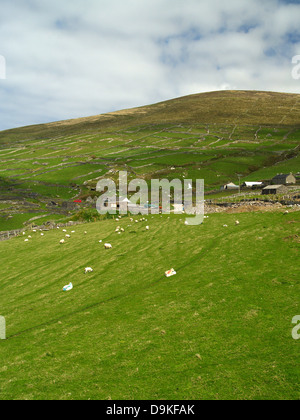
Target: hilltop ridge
pixel 219 107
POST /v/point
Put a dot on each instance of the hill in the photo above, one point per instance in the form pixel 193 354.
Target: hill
pixel 219 329
pixel 215 136
pixel 221 107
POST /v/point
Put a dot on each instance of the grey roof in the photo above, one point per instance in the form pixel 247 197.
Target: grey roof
pixel 282 176
pixel 269 187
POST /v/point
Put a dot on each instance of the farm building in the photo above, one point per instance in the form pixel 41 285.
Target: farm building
pixel 252 184
pixel 284 179
pixel 230 186
pixel 275 189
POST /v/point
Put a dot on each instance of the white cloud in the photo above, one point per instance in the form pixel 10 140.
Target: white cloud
pixel 79 58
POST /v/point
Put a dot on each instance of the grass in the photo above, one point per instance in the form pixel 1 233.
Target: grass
pixel 219 329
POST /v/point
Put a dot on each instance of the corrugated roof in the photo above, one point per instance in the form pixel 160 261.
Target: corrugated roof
pixel 269 187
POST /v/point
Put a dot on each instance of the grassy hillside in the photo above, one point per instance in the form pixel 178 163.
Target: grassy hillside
pixel 214 136
pixel 219 329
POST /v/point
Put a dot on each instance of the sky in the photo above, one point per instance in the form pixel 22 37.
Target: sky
pixel 76 58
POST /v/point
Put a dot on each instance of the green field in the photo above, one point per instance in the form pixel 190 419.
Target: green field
pixel 219 329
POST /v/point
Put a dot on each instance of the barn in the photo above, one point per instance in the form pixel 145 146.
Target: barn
pixel 230 186
pixel 284 179
pixel 252 185
pixel 275 189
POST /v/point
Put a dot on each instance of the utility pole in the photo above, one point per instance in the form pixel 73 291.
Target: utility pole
pixel 239 176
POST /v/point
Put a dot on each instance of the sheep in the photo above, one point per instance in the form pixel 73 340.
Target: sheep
pixel 225 225
pixel 147 227
pixel 237 222
pixel 68 236
pixel 107 246
pixel 42 234
pixel 73 231
pixel 64 230
pixel 85 232
pixel 26 240
pixel 62 241
pixel 29 236
pixel 88 270
pixel 122 230
pixel 100 242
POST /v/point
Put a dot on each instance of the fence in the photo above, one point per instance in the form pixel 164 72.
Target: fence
pixel 4 236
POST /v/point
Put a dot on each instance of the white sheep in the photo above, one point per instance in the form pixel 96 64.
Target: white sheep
pixel 62 241
pixel 147 227
pixel 237 222
pixel 64 230
pixel 26 240
pixel 107 246
pixel 88 270
pixel 68 236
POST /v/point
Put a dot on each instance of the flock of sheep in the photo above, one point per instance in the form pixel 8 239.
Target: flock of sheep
pixel 119 230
